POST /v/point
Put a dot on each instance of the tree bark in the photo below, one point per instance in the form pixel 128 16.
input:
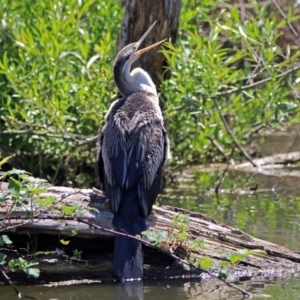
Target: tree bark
pixel 139 15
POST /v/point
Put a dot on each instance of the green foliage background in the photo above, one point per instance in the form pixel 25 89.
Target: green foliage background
pixel 56 81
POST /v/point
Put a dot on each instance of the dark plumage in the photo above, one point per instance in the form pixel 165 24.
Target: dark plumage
pixel 133 150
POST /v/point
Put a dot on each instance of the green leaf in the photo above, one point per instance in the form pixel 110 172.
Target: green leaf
pixel 198 243
pixel 24 265
pixel 14 187
pixel 4 240
pixel 45 201
pixel 158 244
pixel 16 172
pixel 224 263
pixel 37 191
pixel 33 272
pixel 205 263
pixel 31 263
pixel 77 254
pixel 2 259
pixel 223 273
pixel 13 263
pixel 92 60
pixel 74 232
pixel 287 106
pixel 35 180
pixel 64 242
pixel 5 160
pixel 93 209
pixel 3 197
pixel 234 258
pixel 156 235
pixel 68 210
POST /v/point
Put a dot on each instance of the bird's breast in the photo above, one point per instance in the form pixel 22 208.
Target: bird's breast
pixel 137 108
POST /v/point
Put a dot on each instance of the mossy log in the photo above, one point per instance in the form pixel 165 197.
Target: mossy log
pixel 96 245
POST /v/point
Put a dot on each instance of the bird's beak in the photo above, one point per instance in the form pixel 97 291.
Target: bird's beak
pixel 138 53
pixel 142 51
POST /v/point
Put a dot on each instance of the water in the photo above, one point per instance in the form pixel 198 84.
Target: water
pixel 271 213
pixel 266 214
pixel 159 290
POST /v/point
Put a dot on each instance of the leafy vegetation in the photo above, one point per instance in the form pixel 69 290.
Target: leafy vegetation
pixel 263 213
pixel 233 259
pixel 18 263
pixel 221 52
pixel 56 81
pixel 27 193
pixel 179 239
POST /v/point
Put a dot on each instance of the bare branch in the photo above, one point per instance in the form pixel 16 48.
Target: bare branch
pixel 286 19
pixel 19 295
pixel 219 148
pixel 80 139
pixel 231 133
pixel 255 84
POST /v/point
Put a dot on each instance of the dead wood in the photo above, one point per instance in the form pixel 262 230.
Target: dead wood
pixel 273 165
pixel 139 15
pixel 278 261
pixel 278 159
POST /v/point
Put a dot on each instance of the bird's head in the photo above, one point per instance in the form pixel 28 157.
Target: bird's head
pixel 127 82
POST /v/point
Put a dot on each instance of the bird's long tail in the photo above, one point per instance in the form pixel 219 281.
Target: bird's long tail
pixel 128 256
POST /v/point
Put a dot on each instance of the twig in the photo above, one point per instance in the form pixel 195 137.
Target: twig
pixel 223 4
pixel 250 86
pixel 83 140
pixel 80 139
pixel 231 133
pixel 18 293
pixel 218 184
pixel 255 130
pixel 286 19
pixel 218 147
pixel 10 283
pixel 26 222
pixel 166 252
pixel 80 220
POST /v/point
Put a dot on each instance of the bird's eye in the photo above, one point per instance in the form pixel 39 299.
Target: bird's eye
pixel 135 47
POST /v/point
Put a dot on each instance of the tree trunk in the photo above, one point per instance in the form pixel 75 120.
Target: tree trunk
pixel 139 15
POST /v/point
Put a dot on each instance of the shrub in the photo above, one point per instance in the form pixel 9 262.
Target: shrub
pixel 56 81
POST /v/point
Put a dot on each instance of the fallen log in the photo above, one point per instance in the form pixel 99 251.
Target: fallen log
pixel 277 262
pixel 275 159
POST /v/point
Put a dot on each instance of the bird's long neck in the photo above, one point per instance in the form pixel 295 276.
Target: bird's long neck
pixel 129 82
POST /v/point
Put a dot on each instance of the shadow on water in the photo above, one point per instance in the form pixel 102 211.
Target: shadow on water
pixel 246 201
pixel 160 290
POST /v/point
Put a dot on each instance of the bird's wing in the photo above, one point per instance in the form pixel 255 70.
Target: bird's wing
pixel 132 155
pixel 100 163
pixel 111 150
pixel 149 143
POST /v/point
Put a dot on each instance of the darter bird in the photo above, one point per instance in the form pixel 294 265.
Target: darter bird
pixel 133 148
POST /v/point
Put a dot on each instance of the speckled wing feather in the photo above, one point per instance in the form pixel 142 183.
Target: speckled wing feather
pixel 111 147
pixel 133 150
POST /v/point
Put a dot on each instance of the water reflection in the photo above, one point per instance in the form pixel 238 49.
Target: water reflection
pixel 273 216
pixel 129 290
pixel 160 290
pixel 265 214
pixel 149 290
